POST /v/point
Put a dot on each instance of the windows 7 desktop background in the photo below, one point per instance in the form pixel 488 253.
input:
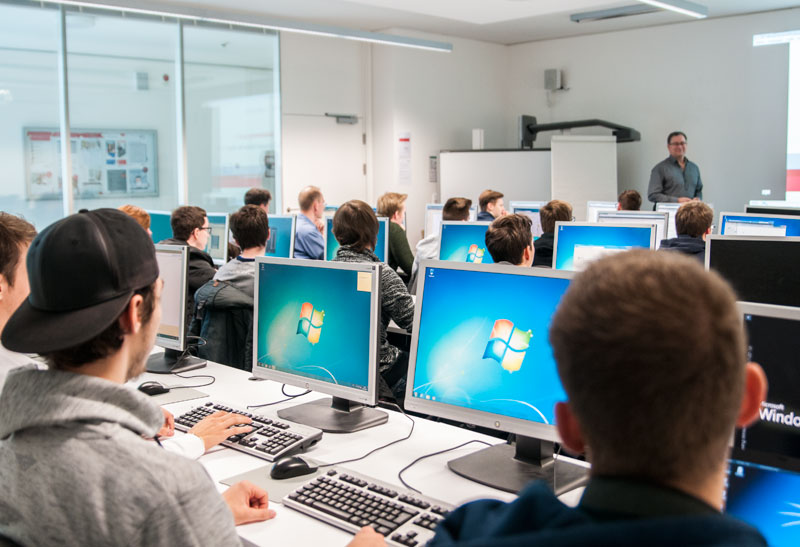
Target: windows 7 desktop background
pixel 457 240
pixel 280 237
pixel 596 235
pixel 332 245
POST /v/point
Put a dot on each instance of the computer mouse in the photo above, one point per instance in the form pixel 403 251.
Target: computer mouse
pixel 293 466
pixel 153 388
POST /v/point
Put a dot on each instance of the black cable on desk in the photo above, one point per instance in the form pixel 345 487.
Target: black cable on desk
pixel 400 473
pixel 213 379
pixel 288 398
pixel 371 452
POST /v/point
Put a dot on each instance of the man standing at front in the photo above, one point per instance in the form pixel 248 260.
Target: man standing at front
pixel 676 179
pixel 308 240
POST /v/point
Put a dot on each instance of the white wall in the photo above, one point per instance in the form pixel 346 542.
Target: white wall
pixel 701 77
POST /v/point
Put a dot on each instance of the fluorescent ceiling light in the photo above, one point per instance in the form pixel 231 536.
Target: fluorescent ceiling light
pixel 680 6
pixel 256 21
pixel 776 38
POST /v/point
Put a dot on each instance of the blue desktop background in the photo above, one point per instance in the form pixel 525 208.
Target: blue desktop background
pixel 454 330
pixel 598 235
pixel 160 226
pixel 457 238
pixel 792 224
pixel 762 497
pixel 280 237
pixel 342 354
pixel 332 245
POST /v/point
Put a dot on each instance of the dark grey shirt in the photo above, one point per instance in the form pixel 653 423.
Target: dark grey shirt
pixel 668 181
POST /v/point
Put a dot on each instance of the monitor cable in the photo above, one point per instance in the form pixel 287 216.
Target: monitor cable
pixel 213 379
pixel 288 396
pixel 403 470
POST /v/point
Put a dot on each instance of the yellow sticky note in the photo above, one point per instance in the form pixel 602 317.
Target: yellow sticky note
pixel 364 281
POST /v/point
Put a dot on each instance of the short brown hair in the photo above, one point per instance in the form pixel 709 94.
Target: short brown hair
pixel 308 196
pixel 389 203
pixel 456 209
pixel 553 211
pixel 138 214
pixel 257 196
pixel 693 218
pixel 104 344
pixel 654 377
pixel 630 200
pixel 508 237
pixel 15 234
pixel 250 227
pixel 356 225
pixel 487 197
pixel 185 220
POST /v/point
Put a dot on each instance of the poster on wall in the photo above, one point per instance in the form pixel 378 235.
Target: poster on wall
pixel 105 163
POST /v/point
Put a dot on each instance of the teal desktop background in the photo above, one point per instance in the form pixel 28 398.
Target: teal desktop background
pixel 792 224
pixel 160 226
pixel 457 238
pixel 332 245
pixel 570 235
pixel 280 237
pixel 459 309
pixel 342 354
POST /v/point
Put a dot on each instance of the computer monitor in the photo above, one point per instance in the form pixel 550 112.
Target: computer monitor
pixel 773 334
pixel 745 224
pixel 281 236
pixel 160 225
pixel 381 245
pixel 660 219
pixel 486 360
pixel 531 210
pixel 577 244
pixel 315 326
pixel 217 245
pixel 173 269
pixel 761 269
pixel 594 207
pixel 433 217
pixel 772 210
pixel 464 242
pixel 671 209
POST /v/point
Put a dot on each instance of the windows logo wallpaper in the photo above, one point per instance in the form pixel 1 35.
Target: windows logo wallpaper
pixel 475 254
pixel 483 343
pixel 464 242
pixel 313 322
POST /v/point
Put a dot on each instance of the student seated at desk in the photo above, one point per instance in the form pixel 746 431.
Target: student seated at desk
pixel 393 206
pixel 491 204
pixel 308 240
pixel 693 223
pixel 74 466
pixel 250 229
pixel 510 240
pixel 356 229
pixel 653 405
pixel 553 211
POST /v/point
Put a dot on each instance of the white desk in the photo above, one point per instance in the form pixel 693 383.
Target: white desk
pixel 289 527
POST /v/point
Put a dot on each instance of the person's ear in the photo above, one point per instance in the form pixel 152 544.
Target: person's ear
pixel 130 320
pixel 755 392
pixel 569 429
pixel 527 255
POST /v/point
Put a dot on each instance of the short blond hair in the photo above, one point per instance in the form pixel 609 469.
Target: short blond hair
pixel 389 203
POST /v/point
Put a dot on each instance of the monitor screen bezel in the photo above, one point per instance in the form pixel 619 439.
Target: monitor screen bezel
pixel 716 237
pixel 773 208
pixel 723 214
pixel 526 204
pixel 634 214
pixel 291 236
pixel 169 343
pixel 472 416
pixel 384 220
pixel 486 223
pixel 368 397
pixel 600 206
pixel 225 237
pixel 578 224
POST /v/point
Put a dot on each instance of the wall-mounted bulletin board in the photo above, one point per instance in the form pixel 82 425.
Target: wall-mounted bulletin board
pixel 105 163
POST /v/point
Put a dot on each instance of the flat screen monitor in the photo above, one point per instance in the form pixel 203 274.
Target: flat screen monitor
pixel 531 210
pixel 761 269
pixel 173 268
pixel 765 497
pixel 577 244
pixel 217 245
pixel 594 207
pixel 485 359
pixel 281 236
pixel 160 225
pixel 315 326
pixel 634 218
pixel 773 334
pixel 381 246
pixel 671 209
pixel 464 242
pixel 745 224
pixel 433 217
pixel 772 210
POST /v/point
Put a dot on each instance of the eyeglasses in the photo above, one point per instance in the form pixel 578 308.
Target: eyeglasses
pixel 209 228
pixel 682 143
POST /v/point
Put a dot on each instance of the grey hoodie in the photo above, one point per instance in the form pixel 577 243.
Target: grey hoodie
pixel 76 470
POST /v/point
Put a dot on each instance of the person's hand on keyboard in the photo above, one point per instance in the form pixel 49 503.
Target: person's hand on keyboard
pixel 248 503
pixel 367 537
pixel 168 429
pixel 217 427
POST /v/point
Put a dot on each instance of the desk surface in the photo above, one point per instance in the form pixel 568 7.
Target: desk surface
pixel 289 527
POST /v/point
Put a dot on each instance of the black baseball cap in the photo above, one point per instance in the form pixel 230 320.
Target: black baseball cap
pixel 83 271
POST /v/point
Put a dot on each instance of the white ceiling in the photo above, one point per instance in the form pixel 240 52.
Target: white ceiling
pixel 498 21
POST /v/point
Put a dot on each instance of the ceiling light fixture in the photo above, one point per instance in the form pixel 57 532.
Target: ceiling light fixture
pixel 680 6
pixel 612 13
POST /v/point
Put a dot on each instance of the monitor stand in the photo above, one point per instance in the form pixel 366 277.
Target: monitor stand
pixel 335 415
pixel 173 361
pixel 510 467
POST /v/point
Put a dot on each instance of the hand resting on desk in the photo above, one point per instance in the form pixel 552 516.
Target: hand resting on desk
pixel 248 503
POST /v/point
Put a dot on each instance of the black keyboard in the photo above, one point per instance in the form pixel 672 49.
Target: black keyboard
pixel 270 438
pixel 350 501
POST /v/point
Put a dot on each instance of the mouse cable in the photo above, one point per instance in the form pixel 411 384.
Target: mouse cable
pixel 371 452
pixel 288 396
pixel 403 470
pixel 193 376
